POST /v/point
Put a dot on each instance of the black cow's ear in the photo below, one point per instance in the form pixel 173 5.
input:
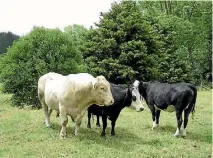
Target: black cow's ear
pixel 140 87
pixel 127 94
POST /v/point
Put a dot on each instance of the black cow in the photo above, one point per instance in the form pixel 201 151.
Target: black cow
pixel 123 97
pixel 170 97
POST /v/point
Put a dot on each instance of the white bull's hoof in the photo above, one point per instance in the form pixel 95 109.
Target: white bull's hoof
pixel 48 125
pixel 62 136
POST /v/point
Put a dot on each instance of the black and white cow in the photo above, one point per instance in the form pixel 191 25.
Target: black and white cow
pixel 123 97
pixel 170 97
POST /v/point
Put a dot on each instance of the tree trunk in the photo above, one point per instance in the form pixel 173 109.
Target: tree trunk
pixel 170 6
pixel 166 7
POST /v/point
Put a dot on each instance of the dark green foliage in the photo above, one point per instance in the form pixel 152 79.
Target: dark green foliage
pixel 41 51
pixel 190 30
pixel 124 46
pixel 6 40
pixel 174 66
pixel 165 41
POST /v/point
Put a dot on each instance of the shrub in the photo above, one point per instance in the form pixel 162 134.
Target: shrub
pixel 41 51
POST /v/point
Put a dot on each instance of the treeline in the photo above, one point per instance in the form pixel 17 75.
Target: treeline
pixel 149 41
pixel 6 40
pixel 165 41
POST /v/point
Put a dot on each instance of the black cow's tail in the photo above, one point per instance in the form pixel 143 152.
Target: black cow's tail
pixel 193 102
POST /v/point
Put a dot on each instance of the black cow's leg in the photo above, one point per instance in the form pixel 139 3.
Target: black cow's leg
pixel 179 122
pixel 89 117
pixel 152 109
pixel 113 127
pixel 98 122
pixel 157 113
pixel 186 116
pixel 104 120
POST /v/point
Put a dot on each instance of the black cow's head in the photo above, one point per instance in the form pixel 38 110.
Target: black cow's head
pixel 136 97
pixel 142 88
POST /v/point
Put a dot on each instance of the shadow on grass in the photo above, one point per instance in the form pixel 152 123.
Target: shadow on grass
pixel 125 139
pixel 191 135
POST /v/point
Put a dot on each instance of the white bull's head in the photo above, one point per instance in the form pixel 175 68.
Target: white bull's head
pixel 136 97
pixel 101 91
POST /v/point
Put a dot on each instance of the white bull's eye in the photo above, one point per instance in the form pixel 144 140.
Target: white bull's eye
pixel 102 88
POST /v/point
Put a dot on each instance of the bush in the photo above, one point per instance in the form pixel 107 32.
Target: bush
pixel 41 51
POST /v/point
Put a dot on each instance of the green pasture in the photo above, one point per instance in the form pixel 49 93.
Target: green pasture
pixel 23 134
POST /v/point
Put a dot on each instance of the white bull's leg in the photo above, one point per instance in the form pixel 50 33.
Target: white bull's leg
pixel 64 121
pixel 78 121
pixel 77 126
pixel 47 116
pixel 50 112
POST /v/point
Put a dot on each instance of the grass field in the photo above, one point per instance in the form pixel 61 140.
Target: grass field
pixel 23 134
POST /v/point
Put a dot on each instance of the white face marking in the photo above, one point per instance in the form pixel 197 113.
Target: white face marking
pixel 137 104
pixel 177 133
pixel 136 83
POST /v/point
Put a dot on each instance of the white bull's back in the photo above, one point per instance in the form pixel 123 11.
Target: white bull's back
pixel 74 89
pixel 42 80
pixel 81 79
pixel 65 88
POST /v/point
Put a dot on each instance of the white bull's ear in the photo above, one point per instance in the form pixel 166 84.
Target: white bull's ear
pixel 95 83
pixel 101 78
pixel 97 80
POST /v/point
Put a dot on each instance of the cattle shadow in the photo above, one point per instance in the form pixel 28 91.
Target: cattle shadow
pixel 190 134
pixel 199 137
pixel 125 139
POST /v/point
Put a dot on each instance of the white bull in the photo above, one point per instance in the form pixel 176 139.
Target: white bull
pixel 72 95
